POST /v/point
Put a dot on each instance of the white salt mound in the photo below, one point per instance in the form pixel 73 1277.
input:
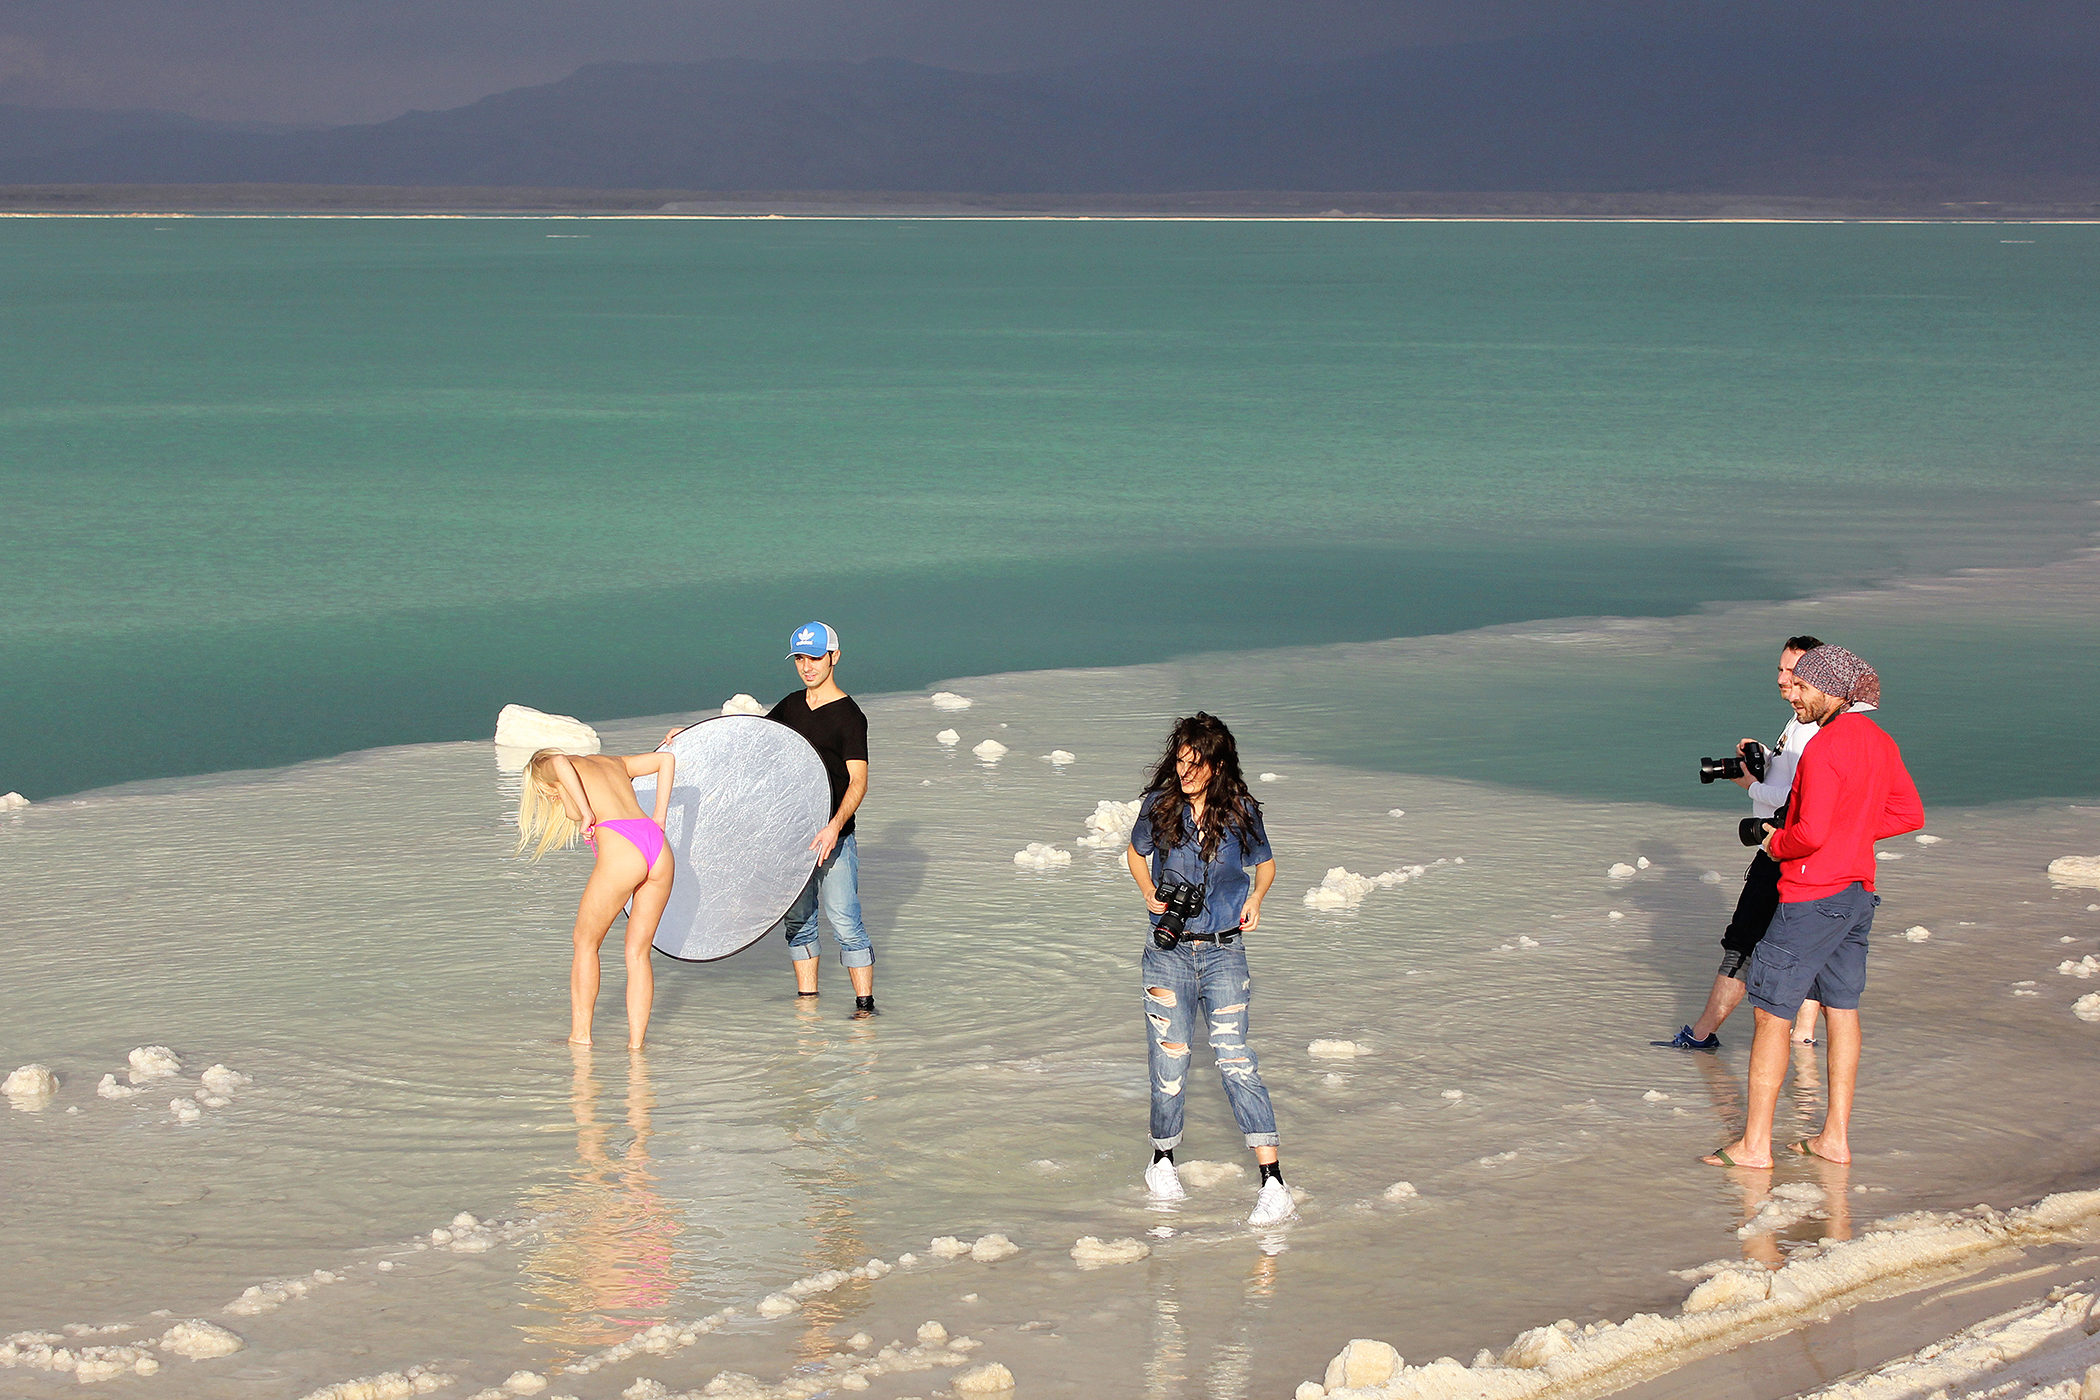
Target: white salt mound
pixel 741 704
pixel 991 750
pixel 110 1089
pixel 1340 889
pixel 1400 1191
pixel 1640 863
pixel 931 1334
pixel 776 1305
pixel 1455 1095
pixel 1711 877
pixel 1362 1365
pixel 221 1080
pixel 1926 839
pixel 1656 1096
pixel 2075 870
pixel 1620 871
pixel 947 1247
pixel 1109 824
pixel 525 1383
pixel 522 727
pixel 1090 1252
pixel 947 738
pixel 1271 777
pixel 1203 1175
pixel 2087 1007
pixel 1039 856
pixel 1397 812
pixel 387 1385
pixel 1615 916
pixel 2088 966
pixel 1336 1049
pixel 990 1249
pixel 1058 758
pixel 12 802
pixel 989 1379
pixel 949 700
pixel 30 1087
pixel 153 1062
pixel 1917 933
pixel 200 1340
pixel 185 1110
pixel 1524 942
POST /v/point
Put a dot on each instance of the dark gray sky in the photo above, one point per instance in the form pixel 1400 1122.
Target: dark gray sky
pixel 366 60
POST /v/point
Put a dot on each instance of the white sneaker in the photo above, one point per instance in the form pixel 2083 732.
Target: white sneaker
pixel 1274 1205
pixel 1163 1181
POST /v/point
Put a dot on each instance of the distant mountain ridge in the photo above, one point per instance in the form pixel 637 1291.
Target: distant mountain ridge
pixel 1714 109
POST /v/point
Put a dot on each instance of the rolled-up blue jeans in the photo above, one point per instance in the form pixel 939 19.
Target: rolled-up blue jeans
pixel 833 887
pixel 1192 980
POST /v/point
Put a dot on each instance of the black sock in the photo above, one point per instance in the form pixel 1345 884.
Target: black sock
pixel 864 1003
pixel 1270 1171
pixel 1162 1154
pixel 805 994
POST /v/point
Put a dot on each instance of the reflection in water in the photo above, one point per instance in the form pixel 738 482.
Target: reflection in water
pixel 1171 1362
pixel 607 1263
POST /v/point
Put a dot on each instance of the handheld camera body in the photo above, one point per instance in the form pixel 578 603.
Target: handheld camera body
pixel 1755 759
pixel 1184 901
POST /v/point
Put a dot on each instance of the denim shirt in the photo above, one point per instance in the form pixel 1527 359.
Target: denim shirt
pixel 1225 881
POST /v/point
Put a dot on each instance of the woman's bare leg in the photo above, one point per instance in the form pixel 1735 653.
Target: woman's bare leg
pixel 601 902
pixel 642 919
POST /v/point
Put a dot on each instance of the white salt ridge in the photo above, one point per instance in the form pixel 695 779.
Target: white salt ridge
pixel 949 700
pixel 847 1370
pixel 1342 890
pixel 464 1234
pixel 1887 855
pixel 12 802
pixel 1058 758
pixel 742 704
pixel 47 1351
pixel 1091 1252
pixel 991 750
pixel 1927 839
pixel 153 1062
pixel 947 738
pixel 200 1340
pixel 1400 1191
pixel 387 1385
pixel 521 731
pixel 1718 1314
pixel 2041 1350
pixel 1917 933
pixel 2087 1007
pixel 518 1383
pixel 1109 825
pixel 1787 1205
pixel 2085 967
pixel 664 1338
pixel 30 1088
pixel 1204 1175
pixel 1041 856
pixel 1336 1049
pixel 2068 871
pixel 1620 871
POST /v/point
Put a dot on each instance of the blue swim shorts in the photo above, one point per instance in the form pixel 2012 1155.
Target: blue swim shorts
pixel 1814 948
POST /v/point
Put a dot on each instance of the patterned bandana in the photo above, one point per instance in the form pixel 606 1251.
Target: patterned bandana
pixel 1840 675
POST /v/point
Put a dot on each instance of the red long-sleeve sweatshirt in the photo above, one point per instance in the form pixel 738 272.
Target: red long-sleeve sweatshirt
pixel 1850 790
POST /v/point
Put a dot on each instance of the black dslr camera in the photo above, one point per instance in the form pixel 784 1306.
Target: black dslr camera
pixel 1753 759
pixel 1751 830
pixel 1184 901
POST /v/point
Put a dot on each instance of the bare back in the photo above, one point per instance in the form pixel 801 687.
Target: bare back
pixel 606 782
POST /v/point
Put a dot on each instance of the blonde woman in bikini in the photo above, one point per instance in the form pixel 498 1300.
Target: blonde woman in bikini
pixel 592 796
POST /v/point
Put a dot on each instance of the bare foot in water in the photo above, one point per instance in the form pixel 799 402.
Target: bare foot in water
pixel 1820 1146
pixel 1734 1155
pixel 583 1042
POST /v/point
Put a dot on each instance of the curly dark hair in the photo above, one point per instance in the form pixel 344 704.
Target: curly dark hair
pixel 1227 805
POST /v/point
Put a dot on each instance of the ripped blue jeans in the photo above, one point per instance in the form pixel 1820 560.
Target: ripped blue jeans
pixel 1206 980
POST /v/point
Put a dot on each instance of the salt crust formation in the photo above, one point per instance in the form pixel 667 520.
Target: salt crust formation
pixel 2042 1350
pixel 1041 856
pixel 2085 967
pixel 150 1062
pixel 1400 1191
pixel 989 1379
pixel 1272 777
pixel 387 1385
pixel 1058 758
pixel 50 1351
pixel 1204 1175
pixel 664 1338
pixel 742 704
pixel 1734 1303
pixel 990 751
pixel 200 1340
pixel 1091 1252
pixel 1108 826
pixel 2087 1007
pixel 1926 838
pixel 1917 933
pixel 1343 890
pixel 1336 1049
pixel 519 1383
pixel 12 802
pixel 949 700
pixel 947 738
pixel 844 1369
pixel 520 727
pixel 2067 871
pixel 1620 871
pixel 31 1087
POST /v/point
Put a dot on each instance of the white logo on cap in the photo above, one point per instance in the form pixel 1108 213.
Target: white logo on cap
pixel 806 635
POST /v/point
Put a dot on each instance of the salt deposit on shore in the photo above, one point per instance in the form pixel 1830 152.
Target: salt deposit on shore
pixel 521 731
pixel 742 704
pixel 949 700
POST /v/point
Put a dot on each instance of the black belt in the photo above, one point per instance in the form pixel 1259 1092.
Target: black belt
pixel 1230 935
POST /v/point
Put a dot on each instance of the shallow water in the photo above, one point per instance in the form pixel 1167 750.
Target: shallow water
pixel 351 934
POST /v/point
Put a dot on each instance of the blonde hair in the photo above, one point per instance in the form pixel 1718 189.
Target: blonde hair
pixel 542 816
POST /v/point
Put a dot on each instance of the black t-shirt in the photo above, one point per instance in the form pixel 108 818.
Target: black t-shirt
pixel 837 731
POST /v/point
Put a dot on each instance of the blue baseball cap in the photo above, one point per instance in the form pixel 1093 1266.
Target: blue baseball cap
pixel 812 639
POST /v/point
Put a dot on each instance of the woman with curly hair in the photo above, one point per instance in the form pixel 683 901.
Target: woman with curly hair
pixel 589 795
pixel 1198 835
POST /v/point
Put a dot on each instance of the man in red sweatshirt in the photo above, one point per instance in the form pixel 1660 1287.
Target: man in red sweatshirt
pixel 1850 790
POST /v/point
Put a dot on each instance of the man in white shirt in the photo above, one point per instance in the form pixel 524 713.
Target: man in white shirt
pixel 1760 897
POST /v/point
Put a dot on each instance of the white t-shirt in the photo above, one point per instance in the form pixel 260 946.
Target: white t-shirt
pixel 1770 795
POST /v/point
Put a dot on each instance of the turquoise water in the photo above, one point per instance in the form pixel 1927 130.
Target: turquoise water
pixel 281 488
